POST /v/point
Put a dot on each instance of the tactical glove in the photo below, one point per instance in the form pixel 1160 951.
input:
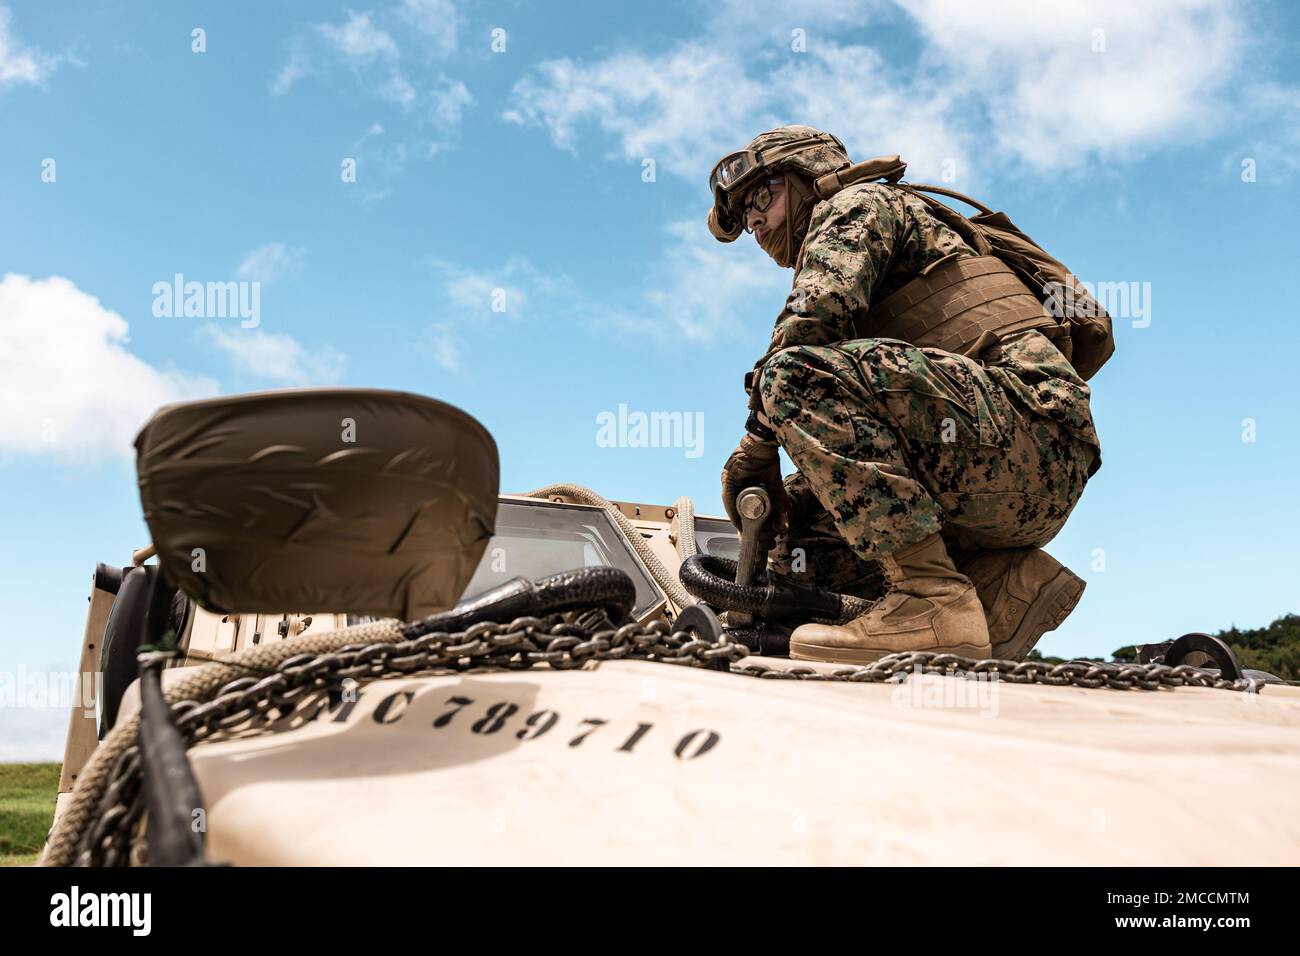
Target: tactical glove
pixel 756 462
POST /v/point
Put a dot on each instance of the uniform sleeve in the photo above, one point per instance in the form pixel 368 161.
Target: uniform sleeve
pixel 851 240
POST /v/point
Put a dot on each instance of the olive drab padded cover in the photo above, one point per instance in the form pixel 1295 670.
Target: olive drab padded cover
pixel 356 500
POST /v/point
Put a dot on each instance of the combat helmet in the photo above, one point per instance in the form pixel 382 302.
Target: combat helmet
pixel 802 154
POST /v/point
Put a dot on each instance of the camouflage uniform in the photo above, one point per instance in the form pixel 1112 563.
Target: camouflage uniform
pixel 812 552
pixel 893 442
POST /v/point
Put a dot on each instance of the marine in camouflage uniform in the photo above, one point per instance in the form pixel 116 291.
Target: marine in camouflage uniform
pixel 897 442
pixel 894 443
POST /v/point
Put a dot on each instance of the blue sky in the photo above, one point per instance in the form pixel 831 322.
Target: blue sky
pixel 1153 144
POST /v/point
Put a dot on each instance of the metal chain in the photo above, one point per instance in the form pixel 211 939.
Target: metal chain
pixel 1089 674
pixel 112 838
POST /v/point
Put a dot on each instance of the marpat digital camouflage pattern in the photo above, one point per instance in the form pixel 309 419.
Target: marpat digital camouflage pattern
pixel 894 442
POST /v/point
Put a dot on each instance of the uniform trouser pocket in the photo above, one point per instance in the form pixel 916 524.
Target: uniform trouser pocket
pixel 929 395
pixel 898 443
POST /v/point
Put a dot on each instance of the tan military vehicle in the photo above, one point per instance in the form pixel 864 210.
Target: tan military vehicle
pixel 579 703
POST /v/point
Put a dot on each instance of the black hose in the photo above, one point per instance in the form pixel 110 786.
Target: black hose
pixel 171 792
pixel 712 579
pixel 609 589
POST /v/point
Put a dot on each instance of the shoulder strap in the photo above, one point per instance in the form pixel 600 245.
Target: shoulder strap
pixel 969 232
pixel 951 194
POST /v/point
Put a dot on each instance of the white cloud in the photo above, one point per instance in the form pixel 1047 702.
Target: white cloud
pixel 448 100
pixel 276 357
pixel 1165 69
pixel 1276 146
pixel 397 89
pixel 758 21
pixel 21 65
pixel 683 108
pixel 699 293
pixel 1020 79
pixel 298 67
pixel 272 261
pixel 991 90
pixel 359 40
pixel 849 91
pixel 361 44
pixel 503 292
pixel 468 299
pixel 445 346
pixel 364 44
pixel 704 288
pixel 69 386
pixel 375 151
pixel 379 161
pixel 436 20
pixel 687 107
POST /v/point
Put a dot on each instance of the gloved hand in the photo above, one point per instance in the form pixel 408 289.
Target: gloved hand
pixel 756 462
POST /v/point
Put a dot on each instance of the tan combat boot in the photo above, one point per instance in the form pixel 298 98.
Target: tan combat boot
pixel 929 606
pixel 1025 592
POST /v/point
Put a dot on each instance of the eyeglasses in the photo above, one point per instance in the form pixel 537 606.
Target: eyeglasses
pixel 760 200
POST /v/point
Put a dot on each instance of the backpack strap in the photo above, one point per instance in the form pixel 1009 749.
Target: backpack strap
pixel 951 194
pixel 951 217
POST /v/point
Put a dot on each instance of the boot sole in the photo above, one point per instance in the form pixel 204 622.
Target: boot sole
pixel 1054 603
pixel 800 651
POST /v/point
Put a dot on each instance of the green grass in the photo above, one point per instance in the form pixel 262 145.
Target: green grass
pixel 27 792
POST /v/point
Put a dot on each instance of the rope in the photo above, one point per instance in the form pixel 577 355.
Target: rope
pixel 686 544
pixel 198 684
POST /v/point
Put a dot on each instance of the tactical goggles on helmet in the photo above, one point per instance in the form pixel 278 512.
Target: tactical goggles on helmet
pixel 736 171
